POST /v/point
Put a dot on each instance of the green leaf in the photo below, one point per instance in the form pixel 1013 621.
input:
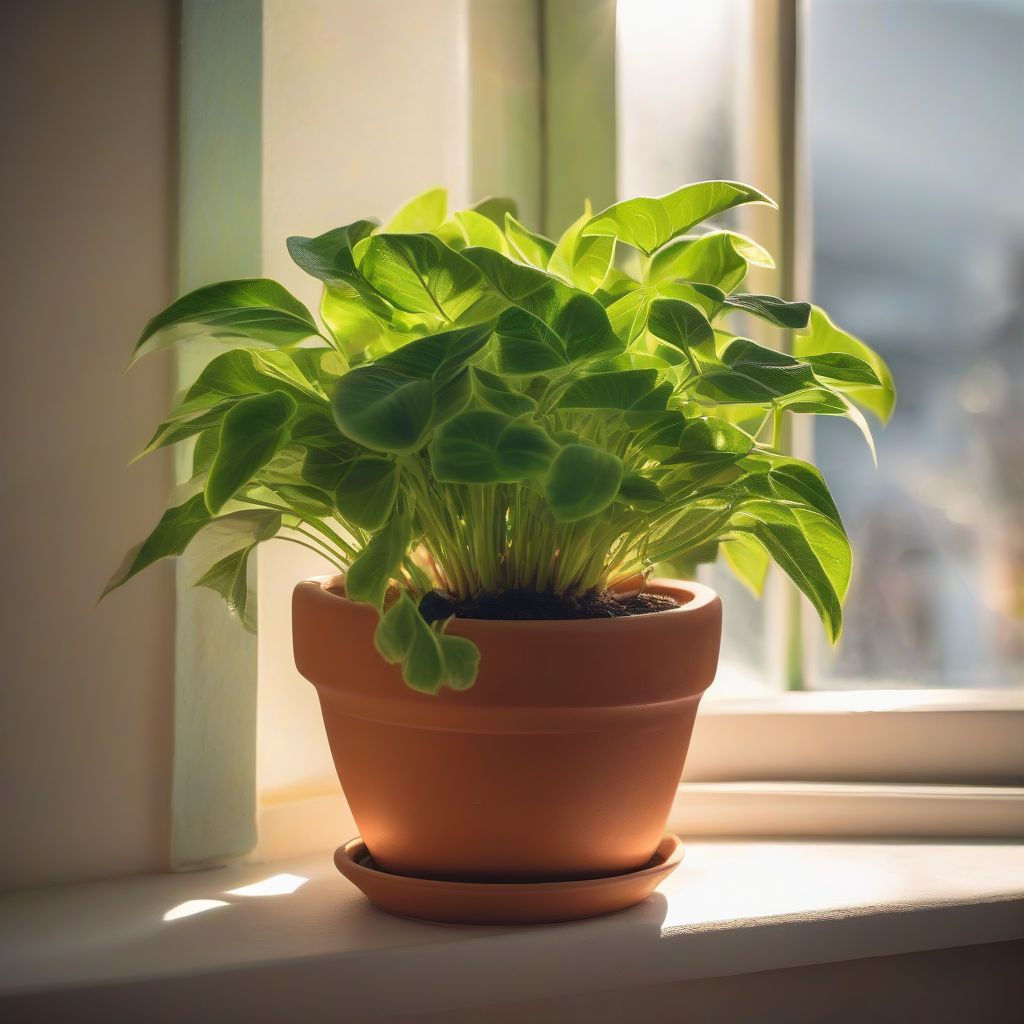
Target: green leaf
pixel 492 390
pixel 811 549
pixel 383 409
pixel 789 479
pixel 367 493
pixel 710 440
pixel 374 567
pixel 582 481
pixel 697 524
pixel 516 282
pixel 582 261
pixel 227 543
pixel 823 337
pixel 468 228
pixel 230 578
pixel 250 435
pixel 487 447
pixel 242 372
pixel 640 492
pixel 324 468
pixel 747 558
pixel 684 325
pixel 648 223
pixel 420 274
pixel 528 246
pixel 402 636
pixel 172 535
pixel 753 373
pixel 567 327
pixel 619 389
pixel 422 213
pixel 205 450
pixel 256 308
pixel 440 356
pixel 840 369
pixel 789 315
pixel 328 257
pixel 527 345
pixel 181 427
pixel 451 396
pixel 461 661
pixel 494 209
pixel 719 258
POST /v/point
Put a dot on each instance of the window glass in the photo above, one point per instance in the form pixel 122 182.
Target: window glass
pixel 917 157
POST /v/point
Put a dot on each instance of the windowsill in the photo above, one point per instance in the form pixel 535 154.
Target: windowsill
pixel 731 908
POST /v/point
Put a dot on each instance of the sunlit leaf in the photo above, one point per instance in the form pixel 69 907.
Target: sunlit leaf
pixel 255 308
pixel 648 223
pixel 422 213
pixel 719 258
pixel 810 547
pixel 789 315
pixel 527 245
pixel 250 435
pixel 582 261
pixel 823 337
pixel 420 274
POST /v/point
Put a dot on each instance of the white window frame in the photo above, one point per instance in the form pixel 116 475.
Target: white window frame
pixel 873 762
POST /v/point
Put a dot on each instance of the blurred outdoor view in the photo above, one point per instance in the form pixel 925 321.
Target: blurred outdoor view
pixel 916 151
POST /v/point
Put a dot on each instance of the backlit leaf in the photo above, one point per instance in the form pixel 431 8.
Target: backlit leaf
pixel 648 223
pixel 254 308
pixel 422 213
pixel 250 435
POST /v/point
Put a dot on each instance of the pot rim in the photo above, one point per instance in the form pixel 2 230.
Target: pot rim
pixel 692 596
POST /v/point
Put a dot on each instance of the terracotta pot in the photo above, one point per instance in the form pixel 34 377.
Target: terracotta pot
pixel 560 763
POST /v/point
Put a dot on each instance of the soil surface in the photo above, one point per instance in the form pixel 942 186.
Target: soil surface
pixel 528 604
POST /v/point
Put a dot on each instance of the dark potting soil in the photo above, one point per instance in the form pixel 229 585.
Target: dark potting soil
pixel 528 604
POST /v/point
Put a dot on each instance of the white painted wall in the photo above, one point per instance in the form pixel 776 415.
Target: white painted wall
pixel 87 186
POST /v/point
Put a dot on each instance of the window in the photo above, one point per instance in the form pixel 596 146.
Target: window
pixel 701 90
pixel 919 246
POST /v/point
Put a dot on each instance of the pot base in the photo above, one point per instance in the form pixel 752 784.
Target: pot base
pixel 504 902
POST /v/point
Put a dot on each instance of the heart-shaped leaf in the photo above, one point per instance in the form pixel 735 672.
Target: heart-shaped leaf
pixel 250 435
pixel 366 494
pixel 582 481
pixel 383 409
pixel 488 447
pixel 648 223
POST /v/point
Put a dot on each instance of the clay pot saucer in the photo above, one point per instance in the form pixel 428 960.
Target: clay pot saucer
pixel 455 902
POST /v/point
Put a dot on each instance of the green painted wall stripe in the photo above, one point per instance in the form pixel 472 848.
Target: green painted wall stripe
pixel 214 785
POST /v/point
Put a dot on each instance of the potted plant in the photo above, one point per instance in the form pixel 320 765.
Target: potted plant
pixel 495 438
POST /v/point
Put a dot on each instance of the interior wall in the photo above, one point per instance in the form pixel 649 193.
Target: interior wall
pixel 87 206
pixel 357 151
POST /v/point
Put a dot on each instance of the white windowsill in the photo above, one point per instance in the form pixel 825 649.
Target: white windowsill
pixel 731 908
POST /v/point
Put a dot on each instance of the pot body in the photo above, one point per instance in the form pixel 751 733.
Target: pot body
pixel 561 762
